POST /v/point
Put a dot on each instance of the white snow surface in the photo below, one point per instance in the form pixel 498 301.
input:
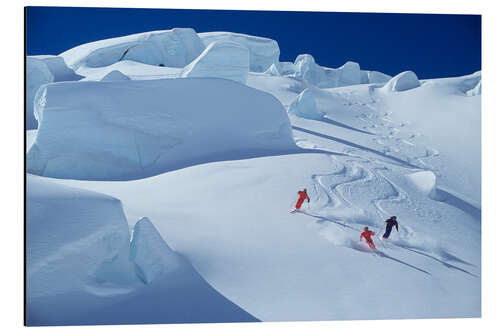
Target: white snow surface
pixel 221 59
pixel 170 48
pixel 263 51
pixel 214 165
pixel 127 129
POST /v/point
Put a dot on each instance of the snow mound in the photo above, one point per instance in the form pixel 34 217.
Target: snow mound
pixel 424 181
pixel 115 75
pixel 146 127
pixel 171 48
pixel 221 59
pixel 70 234
pixel 150 254
pixel 263 51
pixel 37 74
pixel 305 106
pixel 402 82
pixel 273 71
pixel 58 68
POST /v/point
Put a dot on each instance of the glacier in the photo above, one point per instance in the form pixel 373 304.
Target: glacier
pixel 166 164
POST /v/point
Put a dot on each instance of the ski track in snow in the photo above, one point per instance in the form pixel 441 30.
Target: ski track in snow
pixel 332 189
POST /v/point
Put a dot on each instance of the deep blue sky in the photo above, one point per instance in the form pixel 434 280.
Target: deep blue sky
pixel 430 45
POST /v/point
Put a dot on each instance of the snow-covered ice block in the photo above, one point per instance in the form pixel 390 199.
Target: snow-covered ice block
pixel 70 234
pixel 263 51
pixel 403 81
pixel 305 106
pixel 170 48
pixel 150 254
pixel 273 71
pixel 134 129
pixel 221 59
pixel 350 74
pixel 308 70
pixel 37 74
pixel 115 75
pixel 58 68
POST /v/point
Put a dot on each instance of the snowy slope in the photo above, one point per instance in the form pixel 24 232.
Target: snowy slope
pixel 369 147
pixel 81 264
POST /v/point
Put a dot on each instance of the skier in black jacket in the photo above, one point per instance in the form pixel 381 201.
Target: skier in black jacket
pixel 389 224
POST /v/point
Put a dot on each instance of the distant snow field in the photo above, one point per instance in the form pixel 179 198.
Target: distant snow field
pixel 163 167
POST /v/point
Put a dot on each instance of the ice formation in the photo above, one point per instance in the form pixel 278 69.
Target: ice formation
pixel 58 68
pixel 402 82
pixel 127 129
pixel 272 70
pixel 305 106
pixel 37 74
pixel 150 254
pixel 221 59
pixel 263 51
pixel 170 48
pixel 308 70
pixel 70 233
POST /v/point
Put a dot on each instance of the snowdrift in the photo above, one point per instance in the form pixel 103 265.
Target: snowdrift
pixel 263 51
pixel 221 59
pixel 37 74
pixel 134 129
pixel 171 48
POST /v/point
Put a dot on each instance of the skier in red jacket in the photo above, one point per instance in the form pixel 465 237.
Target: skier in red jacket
pixel 367 234
pixel 302 196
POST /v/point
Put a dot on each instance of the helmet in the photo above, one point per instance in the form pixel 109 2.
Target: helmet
pixel 393 217
pixel 365 228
